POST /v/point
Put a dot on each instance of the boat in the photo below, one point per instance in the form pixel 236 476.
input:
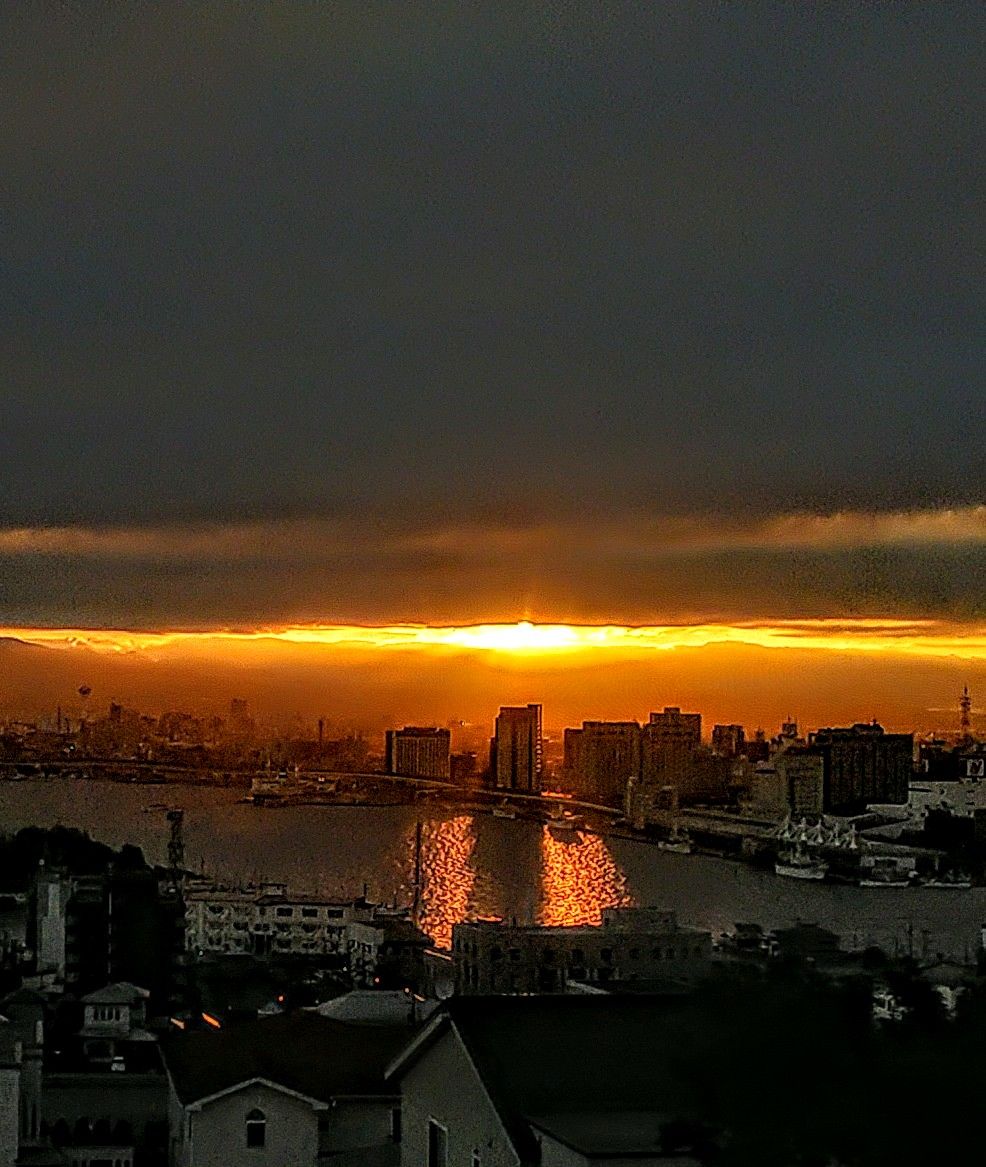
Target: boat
pixel 504 812
pixel 881 872
pixel 565 827
pixel 797 864
pixel 678 842
pixel 959 881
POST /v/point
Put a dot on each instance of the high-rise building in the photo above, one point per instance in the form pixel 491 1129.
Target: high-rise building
pixel 802 775
pixel 669 741
pixel 515 752
pixel 862 764
pixel 572 751
pixel 608 754
pixel 416 752
pixel 728 740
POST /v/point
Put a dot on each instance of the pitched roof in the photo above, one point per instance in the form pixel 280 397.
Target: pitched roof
pixel 621 1134
pixel 377 1007
pixel 550 1054
pixel 312 1055
pixel 121 993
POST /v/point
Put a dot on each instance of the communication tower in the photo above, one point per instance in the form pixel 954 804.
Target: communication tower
pixel 965 717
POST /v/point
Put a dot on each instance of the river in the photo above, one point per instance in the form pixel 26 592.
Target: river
pixel 478 865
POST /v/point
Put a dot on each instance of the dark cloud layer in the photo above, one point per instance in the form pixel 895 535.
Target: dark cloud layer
pixel 369 584
pixel 513 261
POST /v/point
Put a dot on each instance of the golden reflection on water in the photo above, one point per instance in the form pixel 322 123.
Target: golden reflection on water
pixel 578 879
pixel 447 876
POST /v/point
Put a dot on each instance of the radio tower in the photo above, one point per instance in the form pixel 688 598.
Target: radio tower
pixel 965 717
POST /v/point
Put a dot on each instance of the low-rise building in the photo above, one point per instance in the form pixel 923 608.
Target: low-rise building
pixel 267 921
pixel 643 945
pixel 104 1091
pixel 517 1081
pixel 298 1090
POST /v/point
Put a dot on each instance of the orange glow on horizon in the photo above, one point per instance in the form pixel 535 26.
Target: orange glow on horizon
pixel 912 638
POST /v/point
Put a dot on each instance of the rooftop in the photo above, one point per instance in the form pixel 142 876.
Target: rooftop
pixel 317 1056
pixel 620 1133
pixel 120 993
pixel 549 1055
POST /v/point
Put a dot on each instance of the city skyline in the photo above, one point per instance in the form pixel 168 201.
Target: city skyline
pixel 400 680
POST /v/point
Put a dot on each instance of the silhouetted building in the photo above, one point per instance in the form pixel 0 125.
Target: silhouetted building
pixel 608 753
pixel 416 752
pixel 862 764
pixel 668 742
pixel 728 740
pixel 515 753
pixel 758 749
pixel 572 750
pixel 669 750
pixel 644 945
pixel 462 768
pixel 802 775
pixel 562 1081
pixel 126 924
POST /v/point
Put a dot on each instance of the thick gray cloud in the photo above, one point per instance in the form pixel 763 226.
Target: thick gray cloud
pixel 351 259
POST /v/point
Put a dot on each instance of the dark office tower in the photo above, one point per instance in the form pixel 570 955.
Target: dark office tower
pixel 609 755
pixel 669 741
pixel 728 740
pixel 416 752
pixel 515 761
pixel 862 764
pixel 572 751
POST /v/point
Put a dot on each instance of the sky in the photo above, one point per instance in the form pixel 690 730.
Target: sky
pixel 349 314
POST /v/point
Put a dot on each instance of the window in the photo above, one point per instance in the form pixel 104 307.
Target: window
pixel 476 1160
pixel 309 912
pixel 437 1144
pixel 284 912
pixel 395 1124
pixel 256 1129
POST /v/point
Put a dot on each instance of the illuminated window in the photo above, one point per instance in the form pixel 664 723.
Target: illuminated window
pixel 256 1129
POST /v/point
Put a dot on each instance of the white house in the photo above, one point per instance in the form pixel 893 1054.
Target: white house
pixel 296 1090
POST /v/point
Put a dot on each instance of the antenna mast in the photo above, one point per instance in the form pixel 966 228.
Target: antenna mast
pixel 965 717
